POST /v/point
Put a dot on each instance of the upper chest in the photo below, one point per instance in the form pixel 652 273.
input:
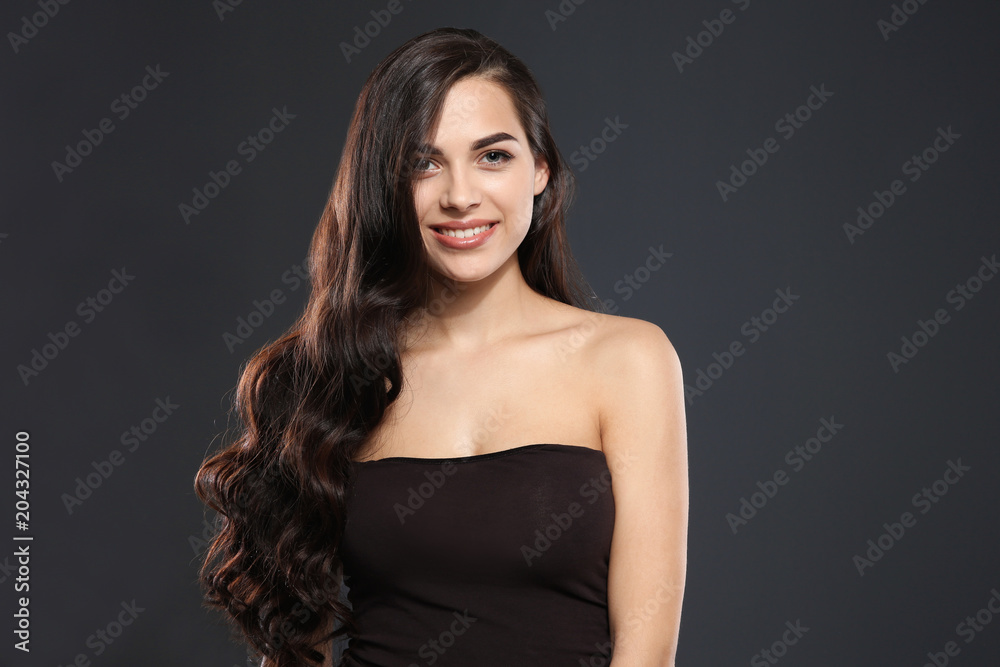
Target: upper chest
pixel 544 390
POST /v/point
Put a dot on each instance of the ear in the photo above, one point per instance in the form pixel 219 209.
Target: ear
pixel 541 174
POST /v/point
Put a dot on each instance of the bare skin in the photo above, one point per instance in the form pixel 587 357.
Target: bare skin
pixel 531 387
pixel 494 365
pixel 485 368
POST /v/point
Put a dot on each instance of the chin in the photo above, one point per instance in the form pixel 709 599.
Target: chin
pixel 463 276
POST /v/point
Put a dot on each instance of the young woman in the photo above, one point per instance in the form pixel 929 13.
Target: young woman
pixel 497 468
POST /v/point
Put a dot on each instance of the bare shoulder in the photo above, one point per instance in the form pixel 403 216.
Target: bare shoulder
pixel 611 345
pixel 622 366
pixel 634 371
pixel 621 347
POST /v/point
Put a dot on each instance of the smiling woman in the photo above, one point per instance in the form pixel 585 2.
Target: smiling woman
pixel 452 429
pixel 471 167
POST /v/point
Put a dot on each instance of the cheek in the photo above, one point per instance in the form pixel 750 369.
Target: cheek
pixel 517 196
pixel 421 202
pixel 529 199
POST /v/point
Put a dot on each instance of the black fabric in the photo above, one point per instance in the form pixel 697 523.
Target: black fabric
pixel 497 559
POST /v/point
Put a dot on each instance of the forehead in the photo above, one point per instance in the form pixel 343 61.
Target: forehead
pixel 472 108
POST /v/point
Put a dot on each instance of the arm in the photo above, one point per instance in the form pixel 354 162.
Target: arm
pixel 643 432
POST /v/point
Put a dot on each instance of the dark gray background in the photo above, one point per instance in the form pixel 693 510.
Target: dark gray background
pixel 826 357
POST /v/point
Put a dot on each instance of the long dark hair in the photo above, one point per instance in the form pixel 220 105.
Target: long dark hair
pixel 308 401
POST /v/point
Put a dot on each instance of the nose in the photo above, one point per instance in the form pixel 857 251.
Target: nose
pixel 460 190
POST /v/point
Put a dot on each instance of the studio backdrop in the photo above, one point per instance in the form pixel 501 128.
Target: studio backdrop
pixel 802 195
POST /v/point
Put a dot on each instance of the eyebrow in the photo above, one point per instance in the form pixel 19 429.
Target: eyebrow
pixel 426 149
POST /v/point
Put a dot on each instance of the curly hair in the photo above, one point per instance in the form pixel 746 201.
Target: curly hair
pixel 308 401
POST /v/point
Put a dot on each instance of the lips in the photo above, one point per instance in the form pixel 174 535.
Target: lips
pixel 464 232
pixel 461 235
pixel 463 224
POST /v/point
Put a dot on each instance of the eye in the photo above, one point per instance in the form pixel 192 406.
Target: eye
pixel 499 157
pixel 419 164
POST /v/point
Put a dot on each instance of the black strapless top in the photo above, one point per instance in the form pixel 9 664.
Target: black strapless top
pixel 496 559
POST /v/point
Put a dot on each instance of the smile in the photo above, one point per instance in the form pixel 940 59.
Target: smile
pixel 464 238
pixel 465 233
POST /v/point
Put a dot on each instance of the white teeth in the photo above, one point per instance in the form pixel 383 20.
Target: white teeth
pixel 461 234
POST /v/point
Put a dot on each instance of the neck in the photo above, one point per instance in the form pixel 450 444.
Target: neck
pixel 469 316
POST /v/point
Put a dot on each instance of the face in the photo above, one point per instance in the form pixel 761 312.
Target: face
pixel 476 172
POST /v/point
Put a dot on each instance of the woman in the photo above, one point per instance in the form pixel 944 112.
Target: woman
pixel 499 470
